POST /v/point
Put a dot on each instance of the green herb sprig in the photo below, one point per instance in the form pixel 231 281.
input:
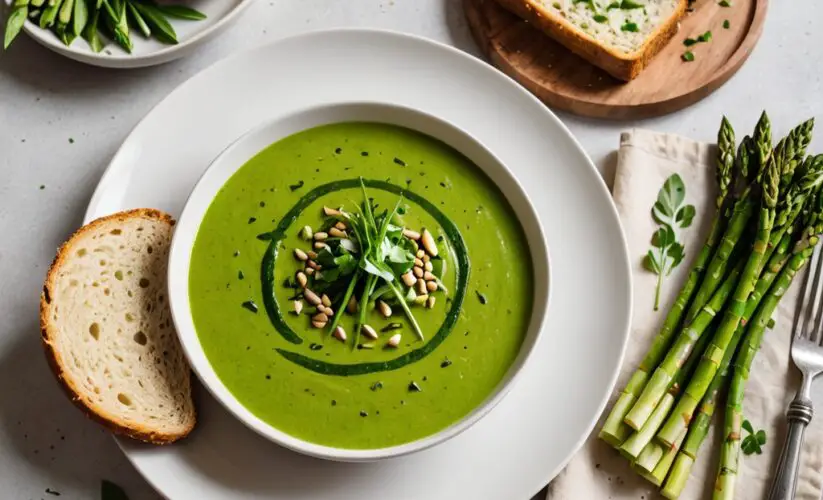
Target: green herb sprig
pixel 669 212
pixel 69 19
pixel 754 441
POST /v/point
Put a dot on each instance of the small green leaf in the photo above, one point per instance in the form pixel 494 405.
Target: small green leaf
pixel 687 56
pixel 761 437
pixel 676 254
pixel 689 42
pixel 705 37
pixel 748 426
pixel 182 12
pixel 685 216
pixel 725 3
pixel 110 491
pixel 650 263
pixel 628 4
pixel 630 27
pixel 613 5
pixel 600 18
pixel 726 24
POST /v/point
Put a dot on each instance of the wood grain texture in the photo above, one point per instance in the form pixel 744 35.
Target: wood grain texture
pixel 565 81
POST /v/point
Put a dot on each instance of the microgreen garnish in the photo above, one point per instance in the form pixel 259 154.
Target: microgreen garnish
pixel 753 442
pixel 295 187
pixel 669 212
pixel 687 56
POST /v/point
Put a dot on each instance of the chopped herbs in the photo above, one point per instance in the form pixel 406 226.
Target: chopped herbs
pixel 364 413
pixel 613 5
pixel 240 275
pixel 725 3
pixel 71 141
pixel 315 347
pixel 628 4
pixel 600 18
pixel 262 237
pixel 629 26
pixel 726 24
pixel 237 253
pixel 413 387
pixel 481 297
pixel 377 386
pixel 337 151
pixel 400 162
pixel 250 305
pixel 42 186
pixel 295 187
pixel 705 37
pixel 557 5
pixel 252 220
pixel 689 42
pixel 688 56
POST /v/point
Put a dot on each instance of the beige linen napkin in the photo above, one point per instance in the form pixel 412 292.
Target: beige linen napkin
pixel 645 160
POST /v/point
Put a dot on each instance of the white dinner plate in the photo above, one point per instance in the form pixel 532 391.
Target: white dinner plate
pixel 526 440
pixel 147 52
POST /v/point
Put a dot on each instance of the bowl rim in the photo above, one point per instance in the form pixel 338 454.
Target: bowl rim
pixel 180 259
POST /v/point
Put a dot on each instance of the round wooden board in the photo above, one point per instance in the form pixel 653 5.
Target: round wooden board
pixel 565 81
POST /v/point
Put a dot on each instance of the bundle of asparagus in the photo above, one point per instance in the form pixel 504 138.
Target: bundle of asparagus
pixel 769 215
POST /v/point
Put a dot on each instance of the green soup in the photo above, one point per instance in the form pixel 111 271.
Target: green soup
pixel 361 393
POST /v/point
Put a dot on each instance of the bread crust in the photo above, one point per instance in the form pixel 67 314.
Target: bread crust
pixel 619 65
pixel 48 332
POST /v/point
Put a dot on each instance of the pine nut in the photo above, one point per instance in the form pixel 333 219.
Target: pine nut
pixel 306 233
pixel 418 272
pixel 426 258
pixel 337 233
pixel 368 332
pixel 421 300
pixel 318 324
pixel 394 341
pixel 431 286
pixel 311 297
pixel 328 312
pixel 421 287
pixel 302 280
pixel 298 306
pixel 409 279
pixel 312 254
pixel 309 271
pixel 428 243
pixel 412 235
pixel 314 265
pixel 428 276
pixel 420 254
pixel 430 302
pixel 385 309
pixel 320 236
pixel 351 307
pixel 300 254
pixel 330 212
pixel 340 225
pixel 428 266
pixel 319 245
pixel 418 262
pixel 340 334
pixel 325 300
pixel 320 318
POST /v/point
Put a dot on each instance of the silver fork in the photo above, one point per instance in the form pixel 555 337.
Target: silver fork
pixel 807 354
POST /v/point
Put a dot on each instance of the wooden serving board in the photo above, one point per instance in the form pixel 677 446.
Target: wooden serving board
pixel 565 81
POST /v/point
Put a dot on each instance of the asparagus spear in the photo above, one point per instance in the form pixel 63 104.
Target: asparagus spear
pixel 699 428
pixel 614 430
pixel 768 180
pixel 730 450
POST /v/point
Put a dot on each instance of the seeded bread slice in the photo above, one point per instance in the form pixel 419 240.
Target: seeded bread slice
pixel 619 36
pixel 107 328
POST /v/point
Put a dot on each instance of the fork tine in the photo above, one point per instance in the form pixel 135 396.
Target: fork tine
pixel 802 314
pixel 814 305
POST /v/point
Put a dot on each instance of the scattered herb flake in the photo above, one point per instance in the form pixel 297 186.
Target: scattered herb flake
pixel 252 220
pixel 264 237
pixel 237 253
pixel 250 305
pixel 629 26
pixel 446 363
pixel 613 5
pixel 337 151
pixel 71 140
pixel 42 186
pixel 600 18
pixel 334 402
pixel 628 4
pixel 377 386
pixel 705 37
pixel 364 413
pixel 364 153
pixel 688 56
pixel 725 3
pixel 413 387
pixel 400 162
pixel 240 275
pixel 295 187
pixel 689 42
pixel 726 24
pixel 481 297
pixel 315 347
pixel 50 491
pixel 391 326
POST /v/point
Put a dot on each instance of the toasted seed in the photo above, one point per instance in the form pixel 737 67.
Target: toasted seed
pixel 330 212
pixel 418 262
pixel 412 235
pixel 428 243
pixel 428 266
pixel 320 236
pixel 421 299
pixel 385 309
pixel 431 286
pixel 337 233
pixel 314 265
pixel 340 225
pixel 312 254
pixel 340 334
pixel 301 279
pixel 409 279
pixel 318 324
pixel 306 233
pixel 418 271
pixel 309 271
pixel 319 245
pixel 421 287
pixel 328 312
pixel 394 340
pixel 368 332
pixel 300 254
pixel 320 318
pixel 351 307
pixel 311 297
pixel 426 258
pixel 298 306
pixel 420 254
pixel 325 300
pixel 430 302
pixel 428 276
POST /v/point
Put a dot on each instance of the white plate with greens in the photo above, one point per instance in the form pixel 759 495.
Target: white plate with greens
pixel 526 439
pixel 174 28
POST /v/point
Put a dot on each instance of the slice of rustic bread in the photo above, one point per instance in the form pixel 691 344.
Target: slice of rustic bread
pixel 619 36
pixel 107 328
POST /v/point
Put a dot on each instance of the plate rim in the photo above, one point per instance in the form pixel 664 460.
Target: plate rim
pixel 109 173
pixel 127 61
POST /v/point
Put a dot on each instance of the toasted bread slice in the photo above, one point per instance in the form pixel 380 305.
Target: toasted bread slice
pixel 619 36
pixel 107 328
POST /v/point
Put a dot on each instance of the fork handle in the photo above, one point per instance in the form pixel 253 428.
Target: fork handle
pixel 785 478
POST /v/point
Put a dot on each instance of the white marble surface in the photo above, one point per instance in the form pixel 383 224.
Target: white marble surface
pixel 60 123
